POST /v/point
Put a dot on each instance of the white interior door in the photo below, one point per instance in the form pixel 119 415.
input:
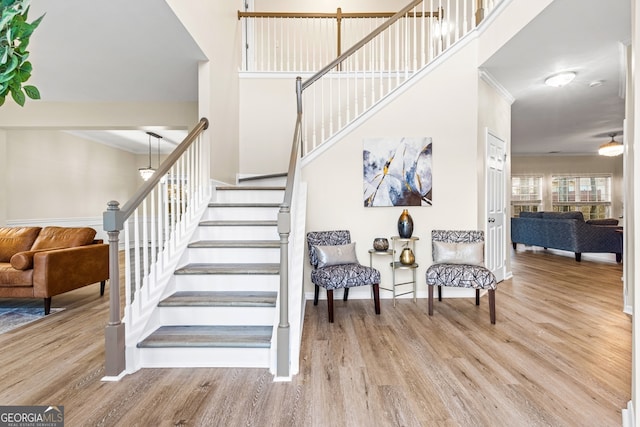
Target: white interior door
pixel 496 183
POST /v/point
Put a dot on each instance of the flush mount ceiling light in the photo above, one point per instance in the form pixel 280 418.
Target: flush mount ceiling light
pixel 611 148
pixel 560 79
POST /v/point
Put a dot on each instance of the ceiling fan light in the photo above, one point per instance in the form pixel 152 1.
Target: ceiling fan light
pixel 560 79
pixel 611 148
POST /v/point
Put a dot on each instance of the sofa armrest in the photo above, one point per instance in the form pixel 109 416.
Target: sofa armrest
pixel 62 270
pixel 24 260
pixel 599 238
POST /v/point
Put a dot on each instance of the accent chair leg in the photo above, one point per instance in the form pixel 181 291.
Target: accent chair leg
pixel 47 306
pixel 330 304
pixel 477 296
pixel 578 256
pixel 346 294
pixel 102 284
pixel 492 306
pixel 430 299
pixel 514 245
pixel 376 297
pixel 439 293
pixel 315 295
pixel 618 257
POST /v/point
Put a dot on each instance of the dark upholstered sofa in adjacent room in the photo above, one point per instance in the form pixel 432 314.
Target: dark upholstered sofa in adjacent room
pixel 40 262
pixel 567 231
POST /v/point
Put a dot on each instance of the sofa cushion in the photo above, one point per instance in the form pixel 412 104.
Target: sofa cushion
pixel 64 237
pixel 563 215
pixel 24 260
pixel 10 277
pixel 530 214
pixel 16 239
pixel 606 221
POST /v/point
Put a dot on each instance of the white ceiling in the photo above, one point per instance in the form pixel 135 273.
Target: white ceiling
pixel 114 51
pixel 119 50
pixel 585 36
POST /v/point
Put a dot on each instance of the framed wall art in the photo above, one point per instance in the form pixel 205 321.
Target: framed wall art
pixel 397 171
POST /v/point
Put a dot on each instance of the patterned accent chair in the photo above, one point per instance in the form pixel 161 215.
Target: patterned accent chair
pixel 458 258
pixel 335 266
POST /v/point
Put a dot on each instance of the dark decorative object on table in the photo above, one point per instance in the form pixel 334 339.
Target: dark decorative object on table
pixel 407 257
pixel 405 225
pixel 380 244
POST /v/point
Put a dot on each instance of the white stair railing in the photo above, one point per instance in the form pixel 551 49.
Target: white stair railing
pixel 391 48
pixel 157 222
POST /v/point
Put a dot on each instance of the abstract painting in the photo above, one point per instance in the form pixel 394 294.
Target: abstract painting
pixel 397 172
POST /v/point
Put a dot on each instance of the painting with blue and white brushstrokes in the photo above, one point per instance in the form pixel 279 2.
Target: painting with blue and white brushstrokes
pixel 397 172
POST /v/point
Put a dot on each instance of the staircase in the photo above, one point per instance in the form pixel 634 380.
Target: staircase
pixel 220 309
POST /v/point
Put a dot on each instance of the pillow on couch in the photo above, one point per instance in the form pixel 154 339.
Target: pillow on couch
pixel 16 239
pixel 64 237
pixel 458 253
pixel 24 260
pixel 336 254
pixel 606 221
pixel 530 215
pixel 563 215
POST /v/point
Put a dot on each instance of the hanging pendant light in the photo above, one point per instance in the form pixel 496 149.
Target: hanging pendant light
pixel 611 148
pixel 147 172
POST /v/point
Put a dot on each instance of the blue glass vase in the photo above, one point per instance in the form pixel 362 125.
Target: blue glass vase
pixel 405 225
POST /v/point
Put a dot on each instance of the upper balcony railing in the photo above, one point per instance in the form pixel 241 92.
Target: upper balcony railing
pixel 388 51
pixel 305 42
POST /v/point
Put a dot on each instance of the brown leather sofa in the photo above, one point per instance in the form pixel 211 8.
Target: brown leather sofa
pixel 38 262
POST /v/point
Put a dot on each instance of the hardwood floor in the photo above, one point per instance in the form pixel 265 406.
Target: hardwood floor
pixel 559 355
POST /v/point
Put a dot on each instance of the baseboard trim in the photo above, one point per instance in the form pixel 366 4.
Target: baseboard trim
pixel 627 415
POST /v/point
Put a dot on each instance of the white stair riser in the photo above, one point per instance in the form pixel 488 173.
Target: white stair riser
pixel 246 196
pixel 269 182
pixel 191 357
pixel 216 315
pixel 237 233
pixel 227 282
pixel 231 255
pixel 227 213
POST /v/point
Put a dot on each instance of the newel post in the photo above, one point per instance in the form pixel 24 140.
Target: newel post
pixel 114 331
pixel 283 352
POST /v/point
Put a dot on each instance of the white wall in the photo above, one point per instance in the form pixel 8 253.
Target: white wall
pixel 214 25
pixel 442 106
pixel 49 175
pixel 54 175
pixel 267 120
pixel 3 177
pixel 494 114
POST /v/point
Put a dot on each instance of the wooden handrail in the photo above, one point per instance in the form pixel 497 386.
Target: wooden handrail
pixel 339 15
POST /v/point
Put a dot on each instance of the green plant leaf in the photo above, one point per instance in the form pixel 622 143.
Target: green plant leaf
pixel 1 100
pixel 32 92
pixel 5 77
pixel 18 96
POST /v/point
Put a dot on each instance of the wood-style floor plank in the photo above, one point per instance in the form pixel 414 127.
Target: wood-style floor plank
pixel 559 355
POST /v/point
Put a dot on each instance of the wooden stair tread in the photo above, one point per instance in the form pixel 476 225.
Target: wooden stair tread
pixel 243 205
pixel 229 268
pixel 235 244
pixel 241 223
pixel 220 299
pixel 250 187
pixel 209 336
